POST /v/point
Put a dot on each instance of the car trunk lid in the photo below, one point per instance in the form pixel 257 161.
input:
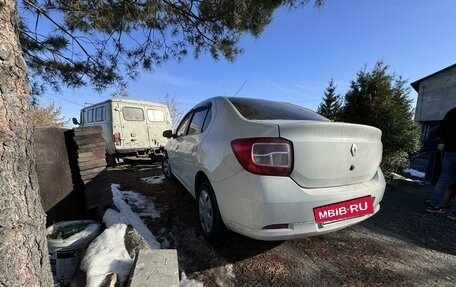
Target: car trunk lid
pixel 332 154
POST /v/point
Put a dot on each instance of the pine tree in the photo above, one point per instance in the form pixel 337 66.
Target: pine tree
pixel 331 104
pixel 381 99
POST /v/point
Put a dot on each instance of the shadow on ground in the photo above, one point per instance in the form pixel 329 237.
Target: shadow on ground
pixel 402 216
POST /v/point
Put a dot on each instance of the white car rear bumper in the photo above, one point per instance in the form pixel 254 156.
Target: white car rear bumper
pixel 248 203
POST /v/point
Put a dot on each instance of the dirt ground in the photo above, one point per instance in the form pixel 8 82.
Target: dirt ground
pixel 400 246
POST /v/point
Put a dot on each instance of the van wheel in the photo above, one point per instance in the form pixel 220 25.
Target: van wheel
pixel 110 160
pixel 166 168
pixel 209 214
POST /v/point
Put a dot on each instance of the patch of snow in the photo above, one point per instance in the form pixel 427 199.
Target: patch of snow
pixel 414 173
pixel 158 179
pixel 107 254
pixel 132 217
pixel 185 282
pixel 142 205
pixel 398 176
pixel 414 180
pixel 144 169
pixel 112 217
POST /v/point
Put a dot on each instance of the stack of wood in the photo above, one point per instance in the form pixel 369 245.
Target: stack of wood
pixel 91 160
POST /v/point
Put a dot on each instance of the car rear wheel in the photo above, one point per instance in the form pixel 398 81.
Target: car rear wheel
pixel 166 168
pixel 209 215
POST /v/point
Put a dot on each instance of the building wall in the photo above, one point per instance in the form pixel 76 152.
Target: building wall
pixel 436 96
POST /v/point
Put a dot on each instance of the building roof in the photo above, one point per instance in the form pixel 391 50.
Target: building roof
pixel 416 84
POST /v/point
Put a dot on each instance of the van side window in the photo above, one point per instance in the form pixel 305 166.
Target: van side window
pixel 196 126
pixel 155 116
pixel 90 116
pixel 133 114
pixel 99 114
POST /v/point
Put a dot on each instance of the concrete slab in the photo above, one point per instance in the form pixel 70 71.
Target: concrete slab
pixel 158 268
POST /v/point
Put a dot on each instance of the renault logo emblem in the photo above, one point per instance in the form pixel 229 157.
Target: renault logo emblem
pixel 354 149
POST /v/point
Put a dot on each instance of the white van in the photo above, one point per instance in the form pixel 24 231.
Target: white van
pixel 130 127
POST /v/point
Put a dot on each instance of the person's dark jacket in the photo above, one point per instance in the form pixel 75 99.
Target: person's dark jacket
pixel 447 131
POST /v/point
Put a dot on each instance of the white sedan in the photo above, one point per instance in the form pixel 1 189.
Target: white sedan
pixel 274 171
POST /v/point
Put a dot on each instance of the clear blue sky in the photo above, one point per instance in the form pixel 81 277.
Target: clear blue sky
pixel 300 51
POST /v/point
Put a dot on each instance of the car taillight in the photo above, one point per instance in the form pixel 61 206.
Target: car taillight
pixel 116 138
pixel 265 156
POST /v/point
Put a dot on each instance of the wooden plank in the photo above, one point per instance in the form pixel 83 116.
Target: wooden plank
pixel 89 141
pixel 89 146
pixel 87 130
pixel 98 136
pixel 88 127
pixel 93 165
pixel 92 152
pixel 94 171
pixel 91 158
pixel 86 141
pixel 91 176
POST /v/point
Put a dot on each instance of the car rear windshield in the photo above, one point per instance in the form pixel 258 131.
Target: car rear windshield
pixel 256 109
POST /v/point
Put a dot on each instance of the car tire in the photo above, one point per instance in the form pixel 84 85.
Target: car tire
pixel 166 168
pixel 209 215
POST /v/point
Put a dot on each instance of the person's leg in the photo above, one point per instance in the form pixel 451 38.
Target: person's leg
pixel 448 196
pixel 447 177
pixel 430 167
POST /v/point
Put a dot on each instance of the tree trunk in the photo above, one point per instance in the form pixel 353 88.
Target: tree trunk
pixel 24 259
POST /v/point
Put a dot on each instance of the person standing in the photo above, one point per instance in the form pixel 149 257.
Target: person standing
pixel 447 132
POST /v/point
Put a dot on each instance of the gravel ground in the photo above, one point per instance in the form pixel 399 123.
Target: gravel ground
pixel 400 246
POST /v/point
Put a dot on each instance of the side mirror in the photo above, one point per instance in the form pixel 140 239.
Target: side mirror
pixel 168 134
pixel 75 121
